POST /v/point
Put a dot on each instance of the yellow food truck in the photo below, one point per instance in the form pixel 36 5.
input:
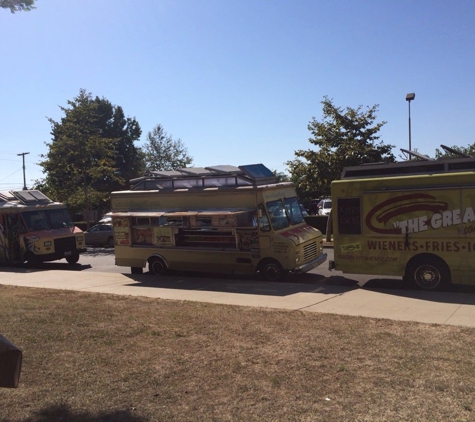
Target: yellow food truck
pixel 414 219
pixel 35 229
pixel 222 219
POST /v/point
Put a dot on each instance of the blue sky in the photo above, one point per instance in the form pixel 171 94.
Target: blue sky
pixel 237 81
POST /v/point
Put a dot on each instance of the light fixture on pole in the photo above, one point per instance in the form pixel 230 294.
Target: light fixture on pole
pixel 409 98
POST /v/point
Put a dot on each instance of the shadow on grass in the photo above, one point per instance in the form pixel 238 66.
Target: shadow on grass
pixel 63 412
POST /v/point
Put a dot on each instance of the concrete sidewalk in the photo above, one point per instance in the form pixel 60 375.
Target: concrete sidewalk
pixel 450 308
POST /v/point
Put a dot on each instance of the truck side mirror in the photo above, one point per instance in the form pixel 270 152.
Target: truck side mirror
pixel 10 363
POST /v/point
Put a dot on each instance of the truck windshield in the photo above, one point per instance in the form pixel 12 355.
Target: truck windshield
pixel 283 214
pixel 47 219
pixel 294 212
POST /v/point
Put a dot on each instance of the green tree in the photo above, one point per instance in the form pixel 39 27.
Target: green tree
pixel 344 137
pixel 89 153
pixel 281 176
pixel 18 5
pixel 125 131
pixel 162 152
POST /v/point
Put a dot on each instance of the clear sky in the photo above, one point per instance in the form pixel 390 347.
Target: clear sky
pixel 237 81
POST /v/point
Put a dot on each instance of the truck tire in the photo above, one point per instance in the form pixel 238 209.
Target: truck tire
pixel 428 272
pixel 271 270
pixel 32 260
pixel 110 242
pixel 73 259
pixel 157 265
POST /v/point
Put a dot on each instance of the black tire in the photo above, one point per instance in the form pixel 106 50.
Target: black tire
pixel 32 261
pixel 136 270
pixel 110 242
pixel 73 259
pixel 157 266
pixel 428 273
pixel 271 270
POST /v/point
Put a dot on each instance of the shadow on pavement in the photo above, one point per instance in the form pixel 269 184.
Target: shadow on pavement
pixel 45 266
pixel 453 294
pixel 307 283
pixel 60 265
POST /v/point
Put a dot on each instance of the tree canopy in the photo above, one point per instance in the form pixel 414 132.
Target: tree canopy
pixel 162 152
pixel 344 137
pixel 92 153
pixel 18 5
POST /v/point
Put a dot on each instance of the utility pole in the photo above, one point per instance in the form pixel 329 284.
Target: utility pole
pixel 409 98
pixel 24 179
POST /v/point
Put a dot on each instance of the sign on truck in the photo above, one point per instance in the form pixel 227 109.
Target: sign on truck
pixel 414 219
pixel 35 229
pixel 222 219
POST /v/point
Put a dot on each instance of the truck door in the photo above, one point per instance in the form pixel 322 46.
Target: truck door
pixel 264 231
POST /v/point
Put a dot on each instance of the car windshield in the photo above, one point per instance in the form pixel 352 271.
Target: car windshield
pixel 327 204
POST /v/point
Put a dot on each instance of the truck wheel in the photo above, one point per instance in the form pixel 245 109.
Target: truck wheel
pixel 110 242
pixel 73 259
pixel 428 273
pixel 271 270
pixel 32 260
pixel 157 266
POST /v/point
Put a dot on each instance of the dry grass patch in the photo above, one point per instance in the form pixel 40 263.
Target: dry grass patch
pixel 96 357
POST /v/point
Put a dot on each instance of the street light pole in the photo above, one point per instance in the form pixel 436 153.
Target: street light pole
pixel 409 98
pixel 24 178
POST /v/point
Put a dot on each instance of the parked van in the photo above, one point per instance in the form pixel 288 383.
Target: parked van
pixel 33 228
pixel 222 219
pixel 414 219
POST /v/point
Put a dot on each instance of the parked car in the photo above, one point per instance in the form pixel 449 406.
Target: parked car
pixel 324 207
pixel 100 235
pixel 312 207
pixel 106 219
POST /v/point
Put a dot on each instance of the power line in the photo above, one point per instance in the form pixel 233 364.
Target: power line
pixel 16 171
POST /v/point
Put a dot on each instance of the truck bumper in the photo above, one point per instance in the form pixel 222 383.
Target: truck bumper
pixel 54 256
pixel 310 265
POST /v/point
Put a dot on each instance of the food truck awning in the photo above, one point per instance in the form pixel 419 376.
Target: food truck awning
pixel 170 213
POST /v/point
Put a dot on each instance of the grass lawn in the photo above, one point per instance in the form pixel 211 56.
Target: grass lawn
pixel 97 357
